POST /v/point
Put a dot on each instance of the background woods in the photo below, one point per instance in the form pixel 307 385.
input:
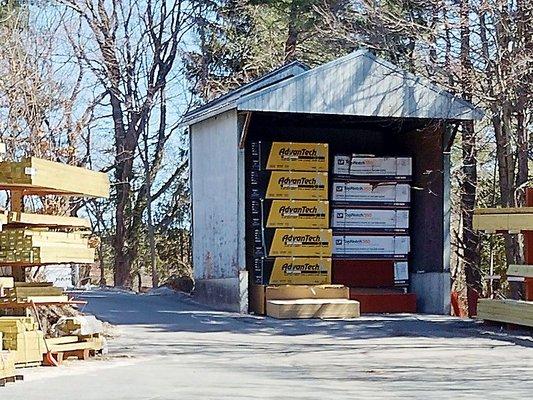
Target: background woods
pixel 104 83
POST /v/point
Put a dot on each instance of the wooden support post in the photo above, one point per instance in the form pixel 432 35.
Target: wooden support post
pixel 528 249
pixel 17 205
pixel 17 201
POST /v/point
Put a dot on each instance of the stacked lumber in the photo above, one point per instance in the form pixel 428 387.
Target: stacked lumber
pixel 42 246
pixel 22 336
pixel 507 311
pixel 310 301
pixel 512 220
pixel 35 176
pixel 7 367
pixel 38 292
pixel 13 219
pixel 6 282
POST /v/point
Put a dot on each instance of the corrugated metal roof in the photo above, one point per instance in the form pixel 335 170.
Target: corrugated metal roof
pixel 359 84
pixel 228 100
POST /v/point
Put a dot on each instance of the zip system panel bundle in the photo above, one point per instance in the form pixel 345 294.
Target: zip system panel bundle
pixel 370 214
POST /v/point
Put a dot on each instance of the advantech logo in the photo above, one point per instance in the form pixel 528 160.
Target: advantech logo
pixel 288 211
pixel 303 153
pixel 301 182
pixel 298 268
pixel 304 240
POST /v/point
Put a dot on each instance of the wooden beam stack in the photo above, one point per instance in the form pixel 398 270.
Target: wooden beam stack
pixel 36 246
pixel 35 176
pixel 22 336
pixel 508 311
pixel 38 292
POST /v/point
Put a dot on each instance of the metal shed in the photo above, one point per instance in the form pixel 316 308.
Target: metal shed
pixel 357 99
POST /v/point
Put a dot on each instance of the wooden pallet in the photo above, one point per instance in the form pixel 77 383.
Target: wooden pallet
pixel 10 379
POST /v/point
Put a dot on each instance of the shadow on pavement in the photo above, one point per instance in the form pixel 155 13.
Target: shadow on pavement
pixel 178 313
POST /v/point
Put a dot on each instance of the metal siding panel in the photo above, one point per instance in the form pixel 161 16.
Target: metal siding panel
pixel 214 172
pixel 359 85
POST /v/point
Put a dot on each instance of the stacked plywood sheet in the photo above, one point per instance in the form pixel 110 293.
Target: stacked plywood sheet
pixel 310 301
pixel 43 246
pixel 507 311
pixel 37 176
pixel 22 336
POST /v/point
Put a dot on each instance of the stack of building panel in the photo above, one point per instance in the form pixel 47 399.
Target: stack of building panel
pixel 370 221
pixel 289 216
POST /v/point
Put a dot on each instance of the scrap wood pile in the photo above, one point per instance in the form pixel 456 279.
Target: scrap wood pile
pixel 30 240
pixel 25 345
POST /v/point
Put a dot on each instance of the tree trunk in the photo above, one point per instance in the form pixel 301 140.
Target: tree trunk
pixel 470 238
pixel 292 36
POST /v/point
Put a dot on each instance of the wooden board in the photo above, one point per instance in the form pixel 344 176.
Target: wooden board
pixel 60 340
pixel 503 222
pixel 95 344
pixel 294 292
pixel 28 219
pixel 503 210
pixel 35 176
pixel 312 308
pixel 520 270
pixel 507 311
pixel 257 299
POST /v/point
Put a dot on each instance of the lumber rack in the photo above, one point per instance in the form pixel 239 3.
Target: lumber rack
pixel 511 220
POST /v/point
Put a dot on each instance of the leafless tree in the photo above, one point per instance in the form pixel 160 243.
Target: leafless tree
pixel 136 44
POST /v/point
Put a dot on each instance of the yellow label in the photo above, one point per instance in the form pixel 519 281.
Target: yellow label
pixel 298 156
pixel 302 243
pixel 301 271
pixel 298 185
pixel 298 214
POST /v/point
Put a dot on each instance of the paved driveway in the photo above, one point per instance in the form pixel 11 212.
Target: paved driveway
pixel 171 348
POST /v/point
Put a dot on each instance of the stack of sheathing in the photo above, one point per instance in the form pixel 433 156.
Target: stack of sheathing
pixel 292 242
pixel 22 336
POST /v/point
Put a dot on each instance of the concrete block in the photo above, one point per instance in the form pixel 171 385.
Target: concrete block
pixel 433 292
pixel 221 293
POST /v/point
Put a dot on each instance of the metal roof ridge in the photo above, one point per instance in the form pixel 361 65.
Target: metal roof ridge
pixel 226 96
pixel 425 82
pixel 326 66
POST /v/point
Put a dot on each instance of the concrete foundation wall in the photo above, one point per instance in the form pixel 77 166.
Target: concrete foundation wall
pixel 228 294
pixel 433 292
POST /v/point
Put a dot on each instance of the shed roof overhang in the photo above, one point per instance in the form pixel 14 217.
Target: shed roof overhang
pixel 359 84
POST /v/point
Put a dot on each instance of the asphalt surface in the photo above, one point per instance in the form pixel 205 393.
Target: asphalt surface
pixel 168 347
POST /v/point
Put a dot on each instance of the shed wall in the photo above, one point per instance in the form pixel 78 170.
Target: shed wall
pixel 217 234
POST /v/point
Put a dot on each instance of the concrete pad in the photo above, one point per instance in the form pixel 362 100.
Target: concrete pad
pixel 171 348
